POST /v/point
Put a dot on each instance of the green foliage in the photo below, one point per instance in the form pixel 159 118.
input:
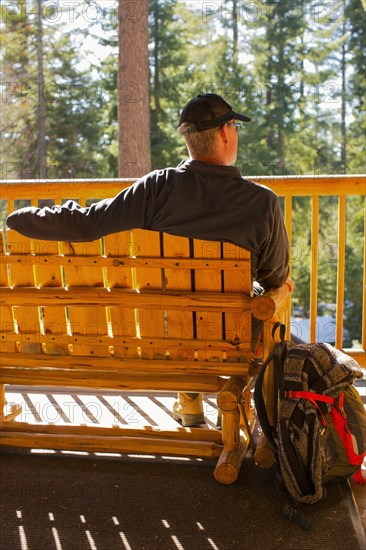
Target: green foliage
pixel 297 68
pixel 19 92
pixel 168 60
pixel 73 124
pixel 354 275
pixel 356 15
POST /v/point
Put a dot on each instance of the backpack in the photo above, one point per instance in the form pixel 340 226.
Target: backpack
pixel 320 435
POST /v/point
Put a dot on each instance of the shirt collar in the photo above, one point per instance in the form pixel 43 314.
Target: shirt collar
pixel 215 169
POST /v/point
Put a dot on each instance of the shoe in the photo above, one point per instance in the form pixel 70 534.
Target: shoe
pixel 12 411
pixel 219 421
pixel 188 409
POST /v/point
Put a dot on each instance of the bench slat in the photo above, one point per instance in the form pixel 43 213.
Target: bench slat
pixel 179 324
pixel 143 262
pixel 151 322
pixel 91 297
pixel 191 434
pixel 212 347
pixel 50 274
pixel 27 318
pixel 237 325
pixel 122 320
pixel 7 321
pixel 103 379
pixel 119 444
pixel 80 320
pixel 209 325
pixel 10 364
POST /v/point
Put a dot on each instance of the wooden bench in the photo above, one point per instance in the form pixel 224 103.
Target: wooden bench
pixel 139 311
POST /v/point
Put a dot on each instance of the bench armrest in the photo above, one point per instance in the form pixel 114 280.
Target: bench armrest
pixel 265 306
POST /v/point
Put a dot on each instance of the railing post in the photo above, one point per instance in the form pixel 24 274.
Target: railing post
pixel 288 223
pixel 314 266
pixel 340 270
pixel 364 285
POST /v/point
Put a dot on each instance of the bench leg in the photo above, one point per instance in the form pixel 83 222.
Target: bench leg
pixel 228 466
pixel 235 446
pixel 230 429
pixel 264 456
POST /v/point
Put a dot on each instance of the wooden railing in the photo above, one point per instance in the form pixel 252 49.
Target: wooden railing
pixel 341 186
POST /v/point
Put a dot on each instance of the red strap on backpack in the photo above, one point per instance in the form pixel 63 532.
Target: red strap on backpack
pixel 339 419
pixel 310 395
pixel 313 397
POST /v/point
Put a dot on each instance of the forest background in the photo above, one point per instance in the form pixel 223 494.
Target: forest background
pixel 297 67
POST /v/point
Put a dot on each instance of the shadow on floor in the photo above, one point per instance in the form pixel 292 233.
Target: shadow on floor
pixel 55 501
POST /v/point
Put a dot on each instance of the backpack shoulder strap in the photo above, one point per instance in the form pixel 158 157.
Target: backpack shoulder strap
pixel 277 356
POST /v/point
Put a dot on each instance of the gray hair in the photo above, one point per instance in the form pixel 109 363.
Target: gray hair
pixel 199 143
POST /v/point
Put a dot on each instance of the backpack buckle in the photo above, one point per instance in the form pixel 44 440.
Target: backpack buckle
pixel 294 514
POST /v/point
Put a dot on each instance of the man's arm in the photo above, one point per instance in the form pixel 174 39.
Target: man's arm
pixel 272 265
pixel 74 223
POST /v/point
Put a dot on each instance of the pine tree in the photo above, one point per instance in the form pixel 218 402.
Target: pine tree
pixel 356 16
pixel 41 114
pixel 133 89
pixel 278 62
pixel 168 61
pixel 19 139
pixel 47 103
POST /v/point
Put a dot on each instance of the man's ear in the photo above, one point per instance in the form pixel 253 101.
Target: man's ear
pixel 223 133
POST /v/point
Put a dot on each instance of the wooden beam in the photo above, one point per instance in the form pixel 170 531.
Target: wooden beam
pixel 350 184
pixel 116 381
pixel 122 366
pixel 265 306
pixel 121 340
pixel 90 443
pixel 151 432
pixel 122 261
pixel 117 297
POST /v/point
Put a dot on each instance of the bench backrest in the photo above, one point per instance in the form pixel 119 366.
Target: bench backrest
pixel 136 294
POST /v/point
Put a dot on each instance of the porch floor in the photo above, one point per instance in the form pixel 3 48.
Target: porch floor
pixel 140 409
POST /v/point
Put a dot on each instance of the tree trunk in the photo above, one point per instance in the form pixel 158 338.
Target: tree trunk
pixel 235 31
pixel 343 115
pixel 156 83
pixel 41 146
pixel 281 148
pixel 133 89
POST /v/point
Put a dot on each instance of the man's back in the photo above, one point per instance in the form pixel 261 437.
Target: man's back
pixel 196 199
pixel 214 202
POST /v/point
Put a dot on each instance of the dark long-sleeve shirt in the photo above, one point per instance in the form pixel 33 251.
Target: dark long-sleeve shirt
pixel 196 200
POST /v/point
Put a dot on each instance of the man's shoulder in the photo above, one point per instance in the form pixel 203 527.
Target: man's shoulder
pixel 261 189
pixel 259 186
pixel 155 177
pixel 159 174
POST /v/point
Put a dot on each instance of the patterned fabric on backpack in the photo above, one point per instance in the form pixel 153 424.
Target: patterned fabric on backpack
pixel 307 436
pixel 321 428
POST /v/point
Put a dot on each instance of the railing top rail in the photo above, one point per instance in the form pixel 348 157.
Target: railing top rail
pixel 307 185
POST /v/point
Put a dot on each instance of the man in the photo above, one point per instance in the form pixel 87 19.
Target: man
pixel 205 197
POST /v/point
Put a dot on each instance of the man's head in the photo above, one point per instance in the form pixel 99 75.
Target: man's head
pixel 207 123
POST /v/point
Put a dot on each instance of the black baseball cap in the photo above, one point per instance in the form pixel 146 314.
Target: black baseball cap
pixel 209 111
